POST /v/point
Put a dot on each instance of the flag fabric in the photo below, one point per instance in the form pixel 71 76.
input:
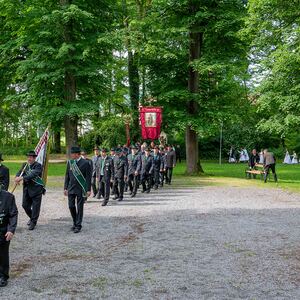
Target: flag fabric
pixel 150 119
pixel 42 153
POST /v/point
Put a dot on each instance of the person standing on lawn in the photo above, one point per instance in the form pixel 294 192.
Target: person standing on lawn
pixel 269 163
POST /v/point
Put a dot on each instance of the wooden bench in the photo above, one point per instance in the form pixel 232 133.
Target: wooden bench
pixel 259 171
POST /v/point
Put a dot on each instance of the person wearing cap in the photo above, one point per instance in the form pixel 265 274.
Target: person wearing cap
pixel 170 163
pixel 146 170
pixel 157 166
pixel 120 174
pixel 95 183
pixel 8 224
pixel 105 175
pixel 163 167
pixel 133 171
pixel 77 186
pixel 33 188
pixel 84 156
pixel 4 175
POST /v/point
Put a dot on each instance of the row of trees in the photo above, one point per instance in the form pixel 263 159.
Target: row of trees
pixel 86 66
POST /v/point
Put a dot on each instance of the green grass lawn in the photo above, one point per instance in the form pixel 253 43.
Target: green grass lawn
pixel 215 174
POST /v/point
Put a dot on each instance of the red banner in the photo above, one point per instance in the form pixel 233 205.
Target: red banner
pixel 151 119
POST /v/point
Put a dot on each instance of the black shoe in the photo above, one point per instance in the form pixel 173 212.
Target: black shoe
pixel 3 282
pixel 156 187
pixel 29 222
pixel 148 191
pixel 130 193
pixel 143 191
pixel 120 199
pixel 133 195
pixel 77 230
pixel 73 228
pixel 104 203
pixel 31 226
pixel 115 197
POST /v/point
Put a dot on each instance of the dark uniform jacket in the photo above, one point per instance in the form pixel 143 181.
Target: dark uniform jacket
pixel 254 159
pixel 146 165
pixel 4 177
pixel 108 168
pixel 32 172
pixel 95 158
pixel 8 214
pixel 120 167
pixel 71 183
pixel 133 163
pixel 157 162
pixel 170 159
pixel 163 160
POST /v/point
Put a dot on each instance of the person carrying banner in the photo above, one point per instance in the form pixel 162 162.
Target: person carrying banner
pixel 4 175
pixel 33 188
pixel 8 224
pixel 133 171
pixel 120 174
pixel 105 175
pixel 77 186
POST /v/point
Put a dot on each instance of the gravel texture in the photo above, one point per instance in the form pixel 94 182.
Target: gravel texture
pixel 175 243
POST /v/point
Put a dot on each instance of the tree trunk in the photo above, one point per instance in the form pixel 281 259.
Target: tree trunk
pixel 192 145
pixel 71 131
pixel 56 143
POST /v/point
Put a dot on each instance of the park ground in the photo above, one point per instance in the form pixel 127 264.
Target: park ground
pixel 218 236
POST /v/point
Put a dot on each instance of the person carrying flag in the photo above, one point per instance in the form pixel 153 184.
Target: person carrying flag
pixel 77 186
pixel 33 188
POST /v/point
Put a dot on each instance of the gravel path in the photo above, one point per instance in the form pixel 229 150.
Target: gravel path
pixel 175 243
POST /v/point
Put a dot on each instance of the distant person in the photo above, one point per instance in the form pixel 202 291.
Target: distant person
pixel 84 156
pixel 287 158
pixel 244 157
pixel 178 153
pixel 254 159
pixel 8 224
pixel 269 163
pixel 170 163
pixel 295 158
pixel 261 156
pixel 95 183
pixel 4 175
pixel 232 158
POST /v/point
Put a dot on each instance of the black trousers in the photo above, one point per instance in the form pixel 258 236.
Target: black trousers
pixel 76 203
pixel 95 185
pixel 4 259
pixel 169 173
pixel 162 176
pixel 267 171
pixel 156 176
pixel 104 188
pixel 32 206
pixel 133 183
pixel 119 185
pixel 146 182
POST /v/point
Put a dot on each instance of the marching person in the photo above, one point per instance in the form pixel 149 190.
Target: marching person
pixel 170 163
pixel 113 157
pixel 146 169
pixel 33 188
pixel 105 170
pixel 84 156
pixel 269 163
pixel 133 171
pixel 157 166
pixel 163 169
pixel 77 186
pixel 8 224
pixel 120 174
pixel 95 183
pixel 4 175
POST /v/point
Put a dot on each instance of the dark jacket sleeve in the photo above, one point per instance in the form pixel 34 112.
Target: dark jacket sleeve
pixel 13 215
pixel 88 175
pixel 6 179
pixel 36 171
pixel 67 177
pixel 126 166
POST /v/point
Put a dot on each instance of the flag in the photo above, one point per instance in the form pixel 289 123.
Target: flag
pixel 42 152
pixel 150 120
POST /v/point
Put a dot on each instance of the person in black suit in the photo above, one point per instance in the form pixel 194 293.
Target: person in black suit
pixel 33 188
pixel 8 224
pixel 77 187
pixel 105 175
pixel 146 169
pixel 170 163
pixel 133 171
pixel 157 166
pixel 120 174
pixel 84 156
pixel 4 175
